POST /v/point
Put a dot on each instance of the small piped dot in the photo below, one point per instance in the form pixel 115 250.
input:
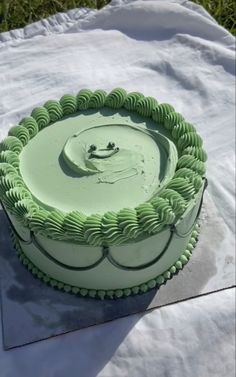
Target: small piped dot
pixel 167 275
pixel 118 293
pixel 75 290
pixel 160 280
pixel 178 265
pixel 83 292
pixel 135 290
pixel 152 283
pixel 67 288
pixel 183 259
pixel 172 270
pixel 92 293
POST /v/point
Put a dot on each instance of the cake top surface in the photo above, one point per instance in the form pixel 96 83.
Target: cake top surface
pixel 109 168
pixel 93 163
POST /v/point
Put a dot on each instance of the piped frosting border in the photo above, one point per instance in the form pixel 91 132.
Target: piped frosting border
pixel 112 228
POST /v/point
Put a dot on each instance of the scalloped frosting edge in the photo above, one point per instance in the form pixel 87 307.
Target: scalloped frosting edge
pixel 117 293
pixel 185 185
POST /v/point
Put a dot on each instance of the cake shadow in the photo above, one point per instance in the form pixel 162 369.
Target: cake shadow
pixel 33 311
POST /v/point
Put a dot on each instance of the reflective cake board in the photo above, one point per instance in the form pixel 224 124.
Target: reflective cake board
pixel 32 311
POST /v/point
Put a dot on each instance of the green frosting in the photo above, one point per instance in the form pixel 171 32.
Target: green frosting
pixel 116 98
pixel 9 157
pixel 92 230
pixel 183 187
pixel 128 222
pixel 31 125
pixel 23 209
pixel 21 133
pixel 6 168
pixel 197 152
pixel 193 177
pixel 164 210
pixel 111 228
pixel 42 117
pixel 14 195
pixel 69 104
pixel 37 220
pixel 172 119
pixel 83 98
pixel 189 139
pixel 11 143
pixel 132 100
pixel 188 161
pixel 175 200
pixel 54 109
pixel 74 225
pixel 161 111
pixel 148 218
pixel 10 180
pixel 54 225
pixel 97 99
pixel 111 294
pixel 181 129
pixel 146 105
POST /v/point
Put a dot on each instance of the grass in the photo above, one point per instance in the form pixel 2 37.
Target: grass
pixel 18 13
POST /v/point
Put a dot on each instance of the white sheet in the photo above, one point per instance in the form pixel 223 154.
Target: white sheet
pixel 176 52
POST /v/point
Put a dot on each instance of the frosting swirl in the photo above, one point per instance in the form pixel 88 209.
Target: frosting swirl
pixel 116 98
pixel 165 212
pixel 182 128
pixel 6 168
pixel 172 119
pixel 23 209
pixel 128 222
pixel 10 180
pixel 83 98
pixel 132 100
pixel 148 218
pixel 10 157
pixel 146 105
pixel 92 230
pixel 97 99
pixel 188 161
pixel 68 104
pixel 74 224
pixel 14 195
pixel 31 125
pixel 183 187
pixel 111 230
pixel 54 225
pixel 193 177
pixel 37 220
pixel 160 112
pixel 54 109
pixel 189 139
pixel 20 133
pixel 175 200
pixel 197 152
pixel 11 143
pixel 41 115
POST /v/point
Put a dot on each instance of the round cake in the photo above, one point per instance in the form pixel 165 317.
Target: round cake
pixel 103 192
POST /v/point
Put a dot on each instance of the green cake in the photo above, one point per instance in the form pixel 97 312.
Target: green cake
pixel 103 192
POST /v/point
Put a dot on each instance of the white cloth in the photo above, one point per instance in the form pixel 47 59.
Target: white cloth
pixel 176 52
